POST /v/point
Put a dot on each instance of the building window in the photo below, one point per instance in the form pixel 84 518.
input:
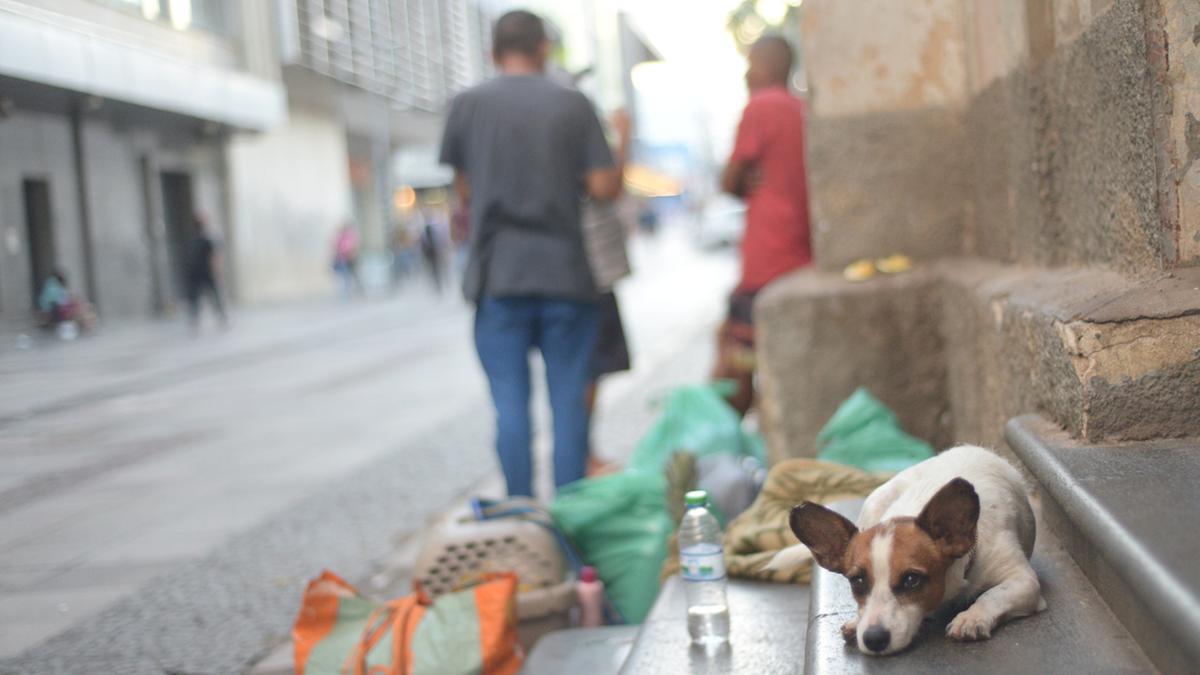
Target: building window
pixel 148 8
pixel 205 15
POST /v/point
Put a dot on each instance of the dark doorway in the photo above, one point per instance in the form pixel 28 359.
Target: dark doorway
pixel 178 211
pixel 39 232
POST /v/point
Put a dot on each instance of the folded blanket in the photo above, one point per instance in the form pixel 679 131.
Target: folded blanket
pixel 754 537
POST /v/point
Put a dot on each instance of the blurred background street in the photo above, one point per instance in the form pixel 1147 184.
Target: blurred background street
pixel 144 454
pixel 157 473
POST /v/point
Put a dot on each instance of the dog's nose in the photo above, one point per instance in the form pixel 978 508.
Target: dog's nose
pixel 876 638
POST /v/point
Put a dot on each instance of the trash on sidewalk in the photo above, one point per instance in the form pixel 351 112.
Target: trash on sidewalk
pixel 894 264
pixel 732 483
pixel 864 433
pixel 698 419
pixel 620 524
pixel 515 535
pixel 866 268
pixel 337 631
pixel 859 270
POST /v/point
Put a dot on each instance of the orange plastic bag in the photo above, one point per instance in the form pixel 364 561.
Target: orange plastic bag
pixel 339 632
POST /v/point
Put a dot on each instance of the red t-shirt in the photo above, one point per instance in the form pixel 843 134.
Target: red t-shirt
pixel 771 136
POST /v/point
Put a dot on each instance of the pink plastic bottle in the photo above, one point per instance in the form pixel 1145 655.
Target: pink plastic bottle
pixel 590 591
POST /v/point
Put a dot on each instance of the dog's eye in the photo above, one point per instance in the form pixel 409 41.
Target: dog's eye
pixel 911 581
pixel 858 584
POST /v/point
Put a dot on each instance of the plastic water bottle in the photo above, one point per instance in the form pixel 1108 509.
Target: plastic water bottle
pixel 702 565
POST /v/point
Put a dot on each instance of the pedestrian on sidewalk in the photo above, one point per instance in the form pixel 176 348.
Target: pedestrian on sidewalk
pixel 403 253
pixel 201 274
pixel 605 233
pixel 766 169
pixel 524 151
pixel 345 260
pixel 431 247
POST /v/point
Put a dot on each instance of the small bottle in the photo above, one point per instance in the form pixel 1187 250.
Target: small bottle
pixel 590 591
pixel 702 565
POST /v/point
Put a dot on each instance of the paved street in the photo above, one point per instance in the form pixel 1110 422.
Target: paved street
pixel 163 497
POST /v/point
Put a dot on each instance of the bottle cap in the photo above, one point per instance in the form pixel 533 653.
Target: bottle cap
pixel 696 498
pixel 587 574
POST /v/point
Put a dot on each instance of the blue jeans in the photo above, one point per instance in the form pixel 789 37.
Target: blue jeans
pixel 506 330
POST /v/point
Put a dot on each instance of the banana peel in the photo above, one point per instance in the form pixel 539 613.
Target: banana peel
pixel 865 268
pixel 859 270
pixel 894 264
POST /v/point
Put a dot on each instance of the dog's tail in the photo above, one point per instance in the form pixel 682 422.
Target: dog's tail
pixel 790 558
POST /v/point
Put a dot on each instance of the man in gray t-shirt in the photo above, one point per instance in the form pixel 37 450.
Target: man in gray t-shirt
pixel 525 151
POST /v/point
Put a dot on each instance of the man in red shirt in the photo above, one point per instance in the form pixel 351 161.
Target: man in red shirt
pixel 766 169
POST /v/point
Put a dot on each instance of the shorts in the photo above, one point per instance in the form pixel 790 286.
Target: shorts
pixel 736 337
pixel 611 354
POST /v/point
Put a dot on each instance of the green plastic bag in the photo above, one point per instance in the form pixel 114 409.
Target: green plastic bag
pixel 698 419
pixel 864 433
pixel 620 525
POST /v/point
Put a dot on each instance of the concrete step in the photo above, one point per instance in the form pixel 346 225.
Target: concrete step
pixel 1076 634
pixel 1129 514
pixel 958 347
pixel 766 633
pixel 594 651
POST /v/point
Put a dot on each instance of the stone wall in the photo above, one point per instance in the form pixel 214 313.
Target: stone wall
pixel 1052 202
pixel 962 345
pixel 1177 55
pixel 1064 164
pixel 912 161
pixel 885 128
pixel 1048 132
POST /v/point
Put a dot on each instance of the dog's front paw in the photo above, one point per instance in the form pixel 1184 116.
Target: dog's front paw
pixel 970 625
pixel 850 631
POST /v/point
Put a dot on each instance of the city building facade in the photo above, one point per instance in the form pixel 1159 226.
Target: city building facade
pixel 121 120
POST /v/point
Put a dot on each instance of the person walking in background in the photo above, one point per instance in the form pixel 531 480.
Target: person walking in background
pixel 604 233
pixel 766 169
pixel 403 258
pixel 460 237
pixel 201 274
pixel 431 248
pixel 524 151
pixel 345 260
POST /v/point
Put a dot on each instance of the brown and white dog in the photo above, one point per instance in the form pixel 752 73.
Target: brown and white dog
pixel 956 527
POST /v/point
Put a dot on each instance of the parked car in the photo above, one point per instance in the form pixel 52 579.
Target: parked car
pixel 720 222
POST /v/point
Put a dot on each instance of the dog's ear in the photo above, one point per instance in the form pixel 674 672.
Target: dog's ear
pixel 825 533
pixel 950 518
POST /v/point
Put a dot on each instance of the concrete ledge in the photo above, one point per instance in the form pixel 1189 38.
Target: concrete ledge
pixel 820 337
pixel 594 651
pixel 960 346
pixel 1076 634
pixel 1129 517
pixel 766 623
pixel 1105 356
